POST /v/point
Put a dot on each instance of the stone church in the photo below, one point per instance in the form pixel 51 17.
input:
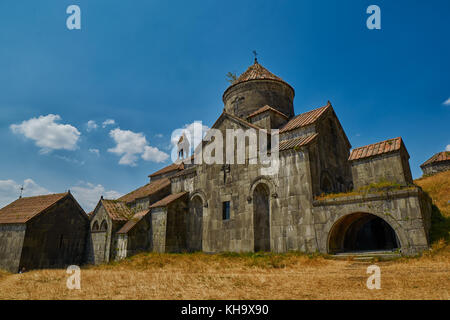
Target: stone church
pixel 317 201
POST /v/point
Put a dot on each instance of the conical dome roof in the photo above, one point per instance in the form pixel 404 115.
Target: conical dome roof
pixel 256 72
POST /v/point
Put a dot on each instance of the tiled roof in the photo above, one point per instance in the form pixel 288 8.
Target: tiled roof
pixel 117 210
pixel 145 191
pixel 438 157
pixel 23 209
pixel 297 142
pixel 264 109
pixel 169 168
pixel 305 119
pixel 167 200
pixel 376 149
pixel 256 72
pixel 133 221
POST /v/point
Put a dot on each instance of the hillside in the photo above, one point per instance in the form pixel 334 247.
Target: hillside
pixel 438 187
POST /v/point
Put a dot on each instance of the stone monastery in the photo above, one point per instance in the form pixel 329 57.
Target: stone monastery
pixel 320 200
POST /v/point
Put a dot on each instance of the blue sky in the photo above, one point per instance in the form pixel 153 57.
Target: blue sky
pixel 154 66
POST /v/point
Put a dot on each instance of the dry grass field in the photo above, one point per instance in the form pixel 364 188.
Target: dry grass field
pixel 254 276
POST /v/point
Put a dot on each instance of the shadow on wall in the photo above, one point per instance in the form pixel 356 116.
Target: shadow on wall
pixel 440 226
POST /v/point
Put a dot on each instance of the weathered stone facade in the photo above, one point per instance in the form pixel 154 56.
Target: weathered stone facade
pixel 437 163
pixel 241 208
pixel 52 233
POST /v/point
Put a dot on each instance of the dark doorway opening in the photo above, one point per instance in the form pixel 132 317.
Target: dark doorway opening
pixel 261 218
pixel 359 232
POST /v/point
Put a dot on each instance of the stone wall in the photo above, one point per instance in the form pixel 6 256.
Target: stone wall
pixel 56 237
pixel 176 225
pixel 11 242
pixel 386 167
pixel 247 97
pixel 159 222
pixel 436 167
pixel 408 212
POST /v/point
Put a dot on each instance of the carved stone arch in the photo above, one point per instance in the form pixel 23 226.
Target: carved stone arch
pixel 403 240
pixel 95 226
pixel 267 181
pixel 202 195
pixel 104 226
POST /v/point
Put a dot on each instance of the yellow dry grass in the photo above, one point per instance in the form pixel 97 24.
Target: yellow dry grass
pixel 271 276
pixel 438 187
pixel 253 276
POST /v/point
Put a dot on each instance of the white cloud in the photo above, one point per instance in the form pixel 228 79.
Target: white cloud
pixel 88 194
pixel 447 148
pixel 91 125
pixel 154 154
pixel 446 102
pixel 95 151
pixel 10 190
pixel 47 134
pixel 130 145
pixel 108 122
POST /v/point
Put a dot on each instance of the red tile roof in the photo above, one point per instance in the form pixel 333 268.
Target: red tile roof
pixel 374 149
pixel 169 168
pixel 305 119
pixel 297 142
pixel 438 157
pixel 24 209
pixel 256 72
pixel 132 222
pixel 264 109
pixel 167 200
pixel 117 210
pixel 145 191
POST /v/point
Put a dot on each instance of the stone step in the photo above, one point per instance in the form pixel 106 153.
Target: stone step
pixel 367 255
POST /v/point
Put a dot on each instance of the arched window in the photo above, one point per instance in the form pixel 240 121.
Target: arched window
pixel 103 226
pixel 95 226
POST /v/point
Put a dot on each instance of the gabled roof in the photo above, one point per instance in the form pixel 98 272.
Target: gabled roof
pixel 169 168
pixel 145 191
pixel 167 200
pixel 117 210
pixel 387 146
pixel 438 157
pixel 133 221
pixel 305 119
pixel 24 209
pixel 297 142
pixel 264 109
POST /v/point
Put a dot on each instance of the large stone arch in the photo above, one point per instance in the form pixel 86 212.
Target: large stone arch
pixel 342 224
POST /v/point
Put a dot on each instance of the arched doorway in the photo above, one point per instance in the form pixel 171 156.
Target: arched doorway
pixel 195 224
pixel 261 218
pixel 359 232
